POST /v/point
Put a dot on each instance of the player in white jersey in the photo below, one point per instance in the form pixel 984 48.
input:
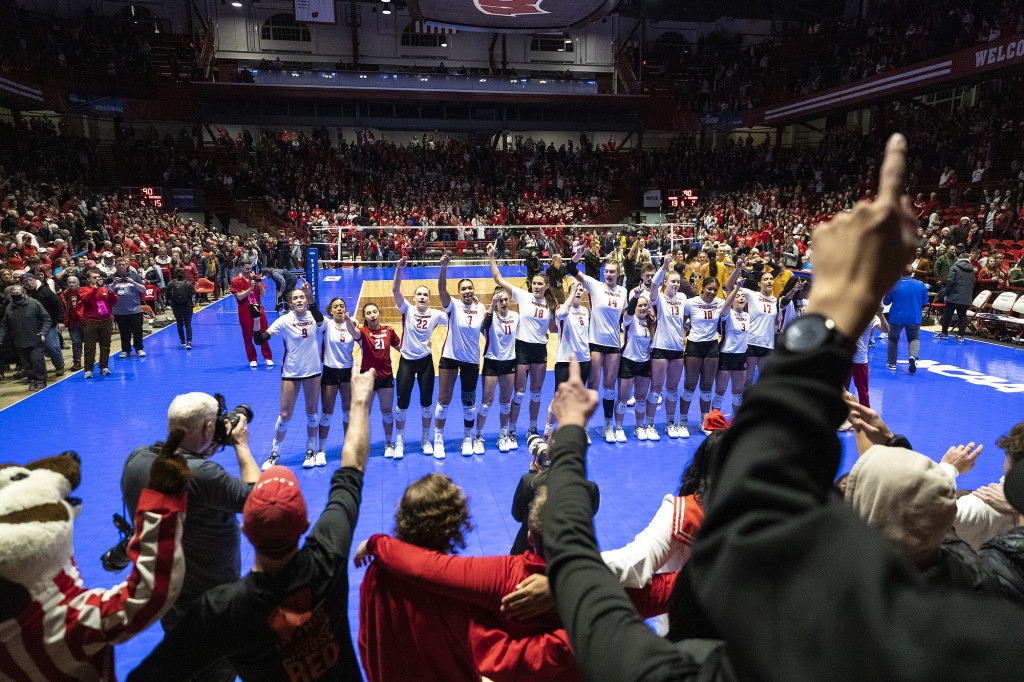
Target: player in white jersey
pixel 499 330
pixel 668 299
pixel 573 322
pixel 460 356
pixel 788 313
pixel 417 362
pixel 703 313
pixel 732 356
pixel 339 340
pixel 608 301
pixel 300 330
pixel 859 371
pixel 536 314
pixel 635 368
pixel 763 309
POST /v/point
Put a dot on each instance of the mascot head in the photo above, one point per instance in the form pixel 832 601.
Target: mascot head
pixel 37 515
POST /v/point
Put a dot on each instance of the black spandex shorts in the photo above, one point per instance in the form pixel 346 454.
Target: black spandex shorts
pixel 562 372
pixel 702 349
pixel 662 354
pixel 607 350
pixel 531 353
pixel 299 378
pixel 332 376
pixel 420 371
pixel 469 372
pixel 758 351
pixel 631 368
pixel 498 368
pixel 383 382
pixel 732 362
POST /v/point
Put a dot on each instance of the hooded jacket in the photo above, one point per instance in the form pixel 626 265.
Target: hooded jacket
pixel 960 282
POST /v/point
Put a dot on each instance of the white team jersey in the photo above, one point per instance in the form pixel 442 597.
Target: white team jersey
pixel 788 314
pixel 860 356
pixel 606 306
pixel 763 312
pixel 301 337
pixel 534 317
pixel 500 342
pixel 735 329
pixel 337 346
pixel 671 332
pixel 704 318
pixel 573 333
pixel 636 344
pixel 462 342
pixel 417 328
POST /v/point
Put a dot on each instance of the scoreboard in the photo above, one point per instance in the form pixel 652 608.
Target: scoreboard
pixel 180 199
pixel 678 198
pixel 145 196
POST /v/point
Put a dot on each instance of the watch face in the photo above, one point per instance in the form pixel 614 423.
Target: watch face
pixel 807 333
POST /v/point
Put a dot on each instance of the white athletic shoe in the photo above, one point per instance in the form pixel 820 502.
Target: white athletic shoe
pixel 321 458
pixel 703 422
pixel 123 355
pixel 310 460
pixel 399 447
pixel 141 353
pixel 513 444
pixel 438 446
pixel 670 431
pixel 640 432
pixel 682 431
pixel 426 447
pixel 467 446
pixel 272 459
pixel 478 445
pixel 389 451
pixel 620 435
pixel 253 364
pixel 87 375
pixel 609 434
pixel 270 363
pixel 652 433
pixel 846 426
pixel 631 402
pixel 503 444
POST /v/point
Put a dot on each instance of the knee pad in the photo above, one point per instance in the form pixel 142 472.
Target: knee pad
pixel 653 397
pixel 468 399
pixel 716 402
pixel 737 399
pixel 484 409
pixel 687 395
pixel 468 413
pixel 441 412
pixel 518 396
pixel 673 396
pixel 640 407
pixel 281 424
pixel 400 415
pixel 535 396
pixel 388 417
pixel 325 419
pixel 428 412
pixel 312 420
pixel 705 396
pixel 609 394
pixel 344 416
pixel 620 407
pixel 505 408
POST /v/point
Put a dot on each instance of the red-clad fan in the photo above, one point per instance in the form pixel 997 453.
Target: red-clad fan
pixel 248 291
pixel 375 344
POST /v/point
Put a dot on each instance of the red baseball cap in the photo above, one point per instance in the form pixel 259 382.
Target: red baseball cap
pixel 274 516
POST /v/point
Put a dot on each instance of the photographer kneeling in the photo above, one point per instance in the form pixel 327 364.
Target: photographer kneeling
pixel 211 534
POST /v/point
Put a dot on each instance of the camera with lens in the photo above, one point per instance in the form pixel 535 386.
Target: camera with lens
pixel 228 419
pixel 539 450
pixel 116 559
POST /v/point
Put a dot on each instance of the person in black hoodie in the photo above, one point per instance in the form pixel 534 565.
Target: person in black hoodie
pixel 786 580
pixel 26 323
pixel 55 309
pixel 958 292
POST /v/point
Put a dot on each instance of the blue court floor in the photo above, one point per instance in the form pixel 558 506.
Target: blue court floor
pixel 962 392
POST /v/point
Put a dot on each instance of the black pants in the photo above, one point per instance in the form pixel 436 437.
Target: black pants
pixel 129 327
pixel 562 372
pixel 33 362
pixel 421 371
pixel 961 315
pixel 183 316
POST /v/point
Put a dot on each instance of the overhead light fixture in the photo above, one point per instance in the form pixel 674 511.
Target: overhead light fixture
pixel 444 42
pixel 386 10
pixel 568 41
pixel 236 4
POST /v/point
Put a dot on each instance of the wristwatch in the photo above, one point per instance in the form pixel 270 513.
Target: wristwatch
pixel 813 331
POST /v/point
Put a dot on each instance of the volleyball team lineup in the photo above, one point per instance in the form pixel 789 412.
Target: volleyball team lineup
pixel 686 332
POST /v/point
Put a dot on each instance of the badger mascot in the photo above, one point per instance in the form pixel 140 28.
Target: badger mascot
pixel 52 627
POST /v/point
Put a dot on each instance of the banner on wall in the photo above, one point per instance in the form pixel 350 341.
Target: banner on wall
pixel 652 198
pixel 315 11
pixel 313 271
pixel 510 15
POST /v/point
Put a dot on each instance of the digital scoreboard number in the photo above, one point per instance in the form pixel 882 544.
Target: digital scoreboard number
pixel 678 198
pixel 145 196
